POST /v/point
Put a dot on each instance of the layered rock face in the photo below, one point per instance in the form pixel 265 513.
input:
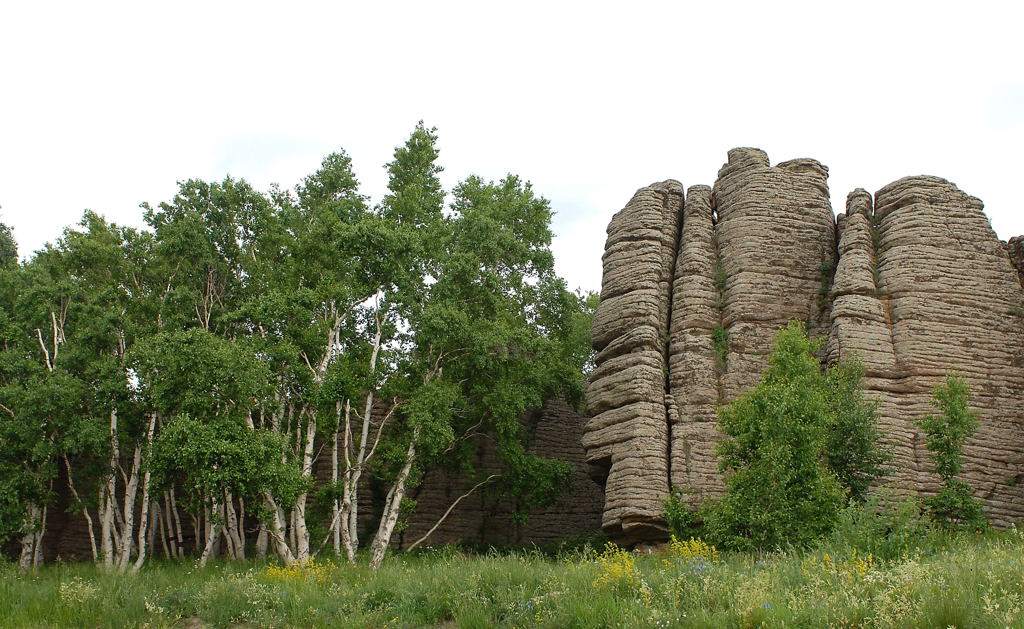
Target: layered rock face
pixel 554 432
pixel 914 284
pixel 627 439
pixel 752 254
pixel 924 287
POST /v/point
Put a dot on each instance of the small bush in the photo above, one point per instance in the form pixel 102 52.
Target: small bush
pixel 954 506
pixel 852 444
pixel 885 527
pixel 799 445
pixel 779 490
pixel 721 338
pixel 683 521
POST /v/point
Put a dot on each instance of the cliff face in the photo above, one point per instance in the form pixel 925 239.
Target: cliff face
pixel 923 287
pixel 914 284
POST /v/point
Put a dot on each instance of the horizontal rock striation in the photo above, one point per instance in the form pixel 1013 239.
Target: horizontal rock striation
pixel 627 437
pixel 924 287
pixel 483 517
pixel 695 368
pixel 913 284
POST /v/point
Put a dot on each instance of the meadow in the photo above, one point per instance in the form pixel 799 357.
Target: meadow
pixel 906 577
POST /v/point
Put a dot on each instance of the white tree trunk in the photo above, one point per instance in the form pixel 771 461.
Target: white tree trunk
pixel 213 532
pixel 336 507
pixel 37 555
pixel 353 521
pixel 232 527
pixel 178 531
pixel 392 505
pixel 31 539
pixel 299 521
pixel 170 533
pixel 144 514
pixel 344 525
pixel 107 500
pixel 261 543
pixel 276 530
pixel 131 491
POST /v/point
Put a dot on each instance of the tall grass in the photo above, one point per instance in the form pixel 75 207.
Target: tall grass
pixel 941 581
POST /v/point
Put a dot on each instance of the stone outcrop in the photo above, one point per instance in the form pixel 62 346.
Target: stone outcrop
pixel 913 283
pixel 924 287
pixel 627 439
pixel 751 255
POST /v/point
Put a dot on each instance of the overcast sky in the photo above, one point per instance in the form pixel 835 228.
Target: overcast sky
pixel 105 105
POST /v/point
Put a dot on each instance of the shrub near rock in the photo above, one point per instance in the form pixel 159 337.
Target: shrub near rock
pixel 954 506
pixel 801 443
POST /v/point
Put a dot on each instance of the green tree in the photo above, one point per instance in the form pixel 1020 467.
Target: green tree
pixel 852 449
pixel 8 248
pixel 39 389
pixel 779 488
pixel 955 505
pixel 277 325
pixel 212 385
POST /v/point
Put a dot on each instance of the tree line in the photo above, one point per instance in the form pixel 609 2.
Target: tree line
pixel 200 366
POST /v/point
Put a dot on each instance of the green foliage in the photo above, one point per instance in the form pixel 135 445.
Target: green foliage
pixel 8 248
pixel 683 521
pixel 209 457
pixel 196 373
pixel 242 322
pixel 720 336
pixel 886 526
pixel 852 448
pixel 721 281
pixel 954 505
pixel 827 273
pixel 963 581
pixel 799 443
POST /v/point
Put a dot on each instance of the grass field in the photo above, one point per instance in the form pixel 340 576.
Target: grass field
pixel 909 580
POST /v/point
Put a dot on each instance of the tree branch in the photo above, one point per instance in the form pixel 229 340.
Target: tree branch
pixel 42 346
pixel 450 508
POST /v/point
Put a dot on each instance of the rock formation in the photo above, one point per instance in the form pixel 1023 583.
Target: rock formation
pixel 913 284
pixel 924 287
pixel 628 437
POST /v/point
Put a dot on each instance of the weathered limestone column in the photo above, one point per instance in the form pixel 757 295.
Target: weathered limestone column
pixel 694 369
pixel 947 298
pixel 776 241
pixel 627 437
